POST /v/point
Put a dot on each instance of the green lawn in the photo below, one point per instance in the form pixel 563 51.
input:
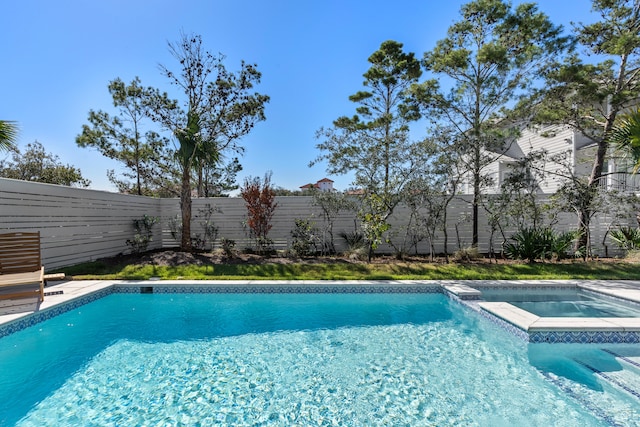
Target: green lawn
pixel 397 271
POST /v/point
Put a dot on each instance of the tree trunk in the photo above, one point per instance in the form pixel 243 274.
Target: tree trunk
pixel 185 207
pixel 582 244
pixel 584 215
pixel 201 192
pixel 598 164
pixel 445 234
pixel 474 238
pixel 475 203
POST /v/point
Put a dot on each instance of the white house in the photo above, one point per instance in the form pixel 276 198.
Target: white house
pixel 325 184
pixel 560 142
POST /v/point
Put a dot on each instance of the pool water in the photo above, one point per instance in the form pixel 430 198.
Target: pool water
pixel 563 303
pixel 292 359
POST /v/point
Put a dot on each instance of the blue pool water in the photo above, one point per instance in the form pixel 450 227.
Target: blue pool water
pixel 563 303
pixel 293 359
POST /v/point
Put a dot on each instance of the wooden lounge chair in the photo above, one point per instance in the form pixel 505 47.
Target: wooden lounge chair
pixel 21 265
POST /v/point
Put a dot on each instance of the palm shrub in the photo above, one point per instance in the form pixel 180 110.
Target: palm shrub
pixel 528 243
pixel 356 244
pixel 562 243
pixel 626 238
pixel 354 240
pixel 532 243
pixel 626 135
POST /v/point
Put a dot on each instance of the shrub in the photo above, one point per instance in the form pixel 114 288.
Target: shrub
pixel 626 238
pixel 354 240
pixel 265 246
pixel 304 237
pixel 373 214
pixel 357 248
pixel 532 243
pixel 469 253
pixel 175 227
pixel 144 234
pixel 259 197
pixel 228 246
pixel 210 231
pixel 331 204
pixel 633 255
pixel 563 242
pixel 357 254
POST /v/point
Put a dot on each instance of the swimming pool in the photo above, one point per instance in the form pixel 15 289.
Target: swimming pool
pixel 568 302
pixel 283 359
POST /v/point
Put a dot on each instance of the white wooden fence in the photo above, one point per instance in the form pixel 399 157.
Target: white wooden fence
pixel 78 225
pixel 75 225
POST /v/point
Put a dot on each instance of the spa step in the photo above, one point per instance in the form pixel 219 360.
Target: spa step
pixel 630 359
pixel 625 380
pixel 615 372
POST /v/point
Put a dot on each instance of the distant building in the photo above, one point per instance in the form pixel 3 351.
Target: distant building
pixel 562 141
pixel 325 184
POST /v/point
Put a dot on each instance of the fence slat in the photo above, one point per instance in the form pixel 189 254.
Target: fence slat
pixel 78 225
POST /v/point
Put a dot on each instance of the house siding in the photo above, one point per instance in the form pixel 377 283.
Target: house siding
pixel 566 152
pixel 556 141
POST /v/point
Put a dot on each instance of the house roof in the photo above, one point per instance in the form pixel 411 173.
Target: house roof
pixel 309 186
pixel 317 184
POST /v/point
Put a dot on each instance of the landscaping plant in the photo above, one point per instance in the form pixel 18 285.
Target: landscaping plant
pixel 304 237
pixel 144 233
pixel 228 246
pixel 356 244
pixel 259 197
pixel 209 229
pixel 533 243
pixel 626 238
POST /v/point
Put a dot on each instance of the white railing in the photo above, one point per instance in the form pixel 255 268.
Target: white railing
pixel 621 181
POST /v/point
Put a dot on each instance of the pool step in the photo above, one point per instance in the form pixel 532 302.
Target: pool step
pixel 618 370
pixel 630 359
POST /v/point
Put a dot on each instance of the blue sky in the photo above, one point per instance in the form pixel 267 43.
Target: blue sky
pixel 59 57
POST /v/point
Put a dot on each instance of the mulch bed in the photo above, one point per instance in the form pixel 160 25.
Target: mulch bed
pixel 174 257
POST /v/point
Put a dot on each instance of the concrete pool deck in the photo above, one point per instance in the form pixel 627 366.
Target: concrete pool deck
pixel 539 329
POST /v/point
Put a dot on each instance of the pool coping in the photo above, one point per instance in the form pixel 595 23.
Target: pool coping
pixel 67 295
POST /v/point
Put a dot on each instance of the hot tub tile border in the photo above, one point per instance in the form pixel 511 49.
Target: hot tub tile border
pixel 501 323
pixel 584 337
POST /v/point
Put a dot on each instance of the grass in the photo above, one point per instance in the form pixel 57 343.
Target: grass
pixel 397 271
